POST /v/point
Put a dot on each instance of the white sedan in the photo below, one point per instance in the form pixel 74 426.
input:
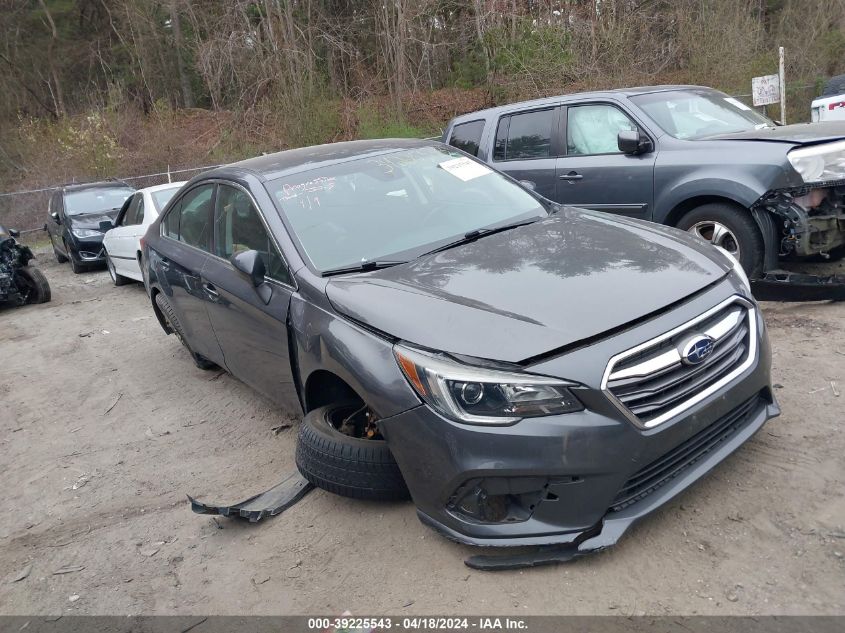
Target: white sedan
pixel 123 242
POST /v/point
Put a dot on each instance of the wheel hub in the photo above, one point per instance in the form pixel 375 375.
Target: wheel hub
pixel 717 234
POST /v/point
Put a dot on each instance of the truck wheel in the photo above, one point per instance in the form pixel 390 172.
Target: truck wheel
pixel 345 465
pixel 36 283
pixel 730 227
pixel 117 279
pixel 164 306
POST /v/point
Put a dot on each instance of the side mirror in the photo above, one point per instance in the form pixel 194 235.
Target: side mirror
pixel 106 225
pixel 55 217
pixel 251 265
pixel 632 142
pixel 14 233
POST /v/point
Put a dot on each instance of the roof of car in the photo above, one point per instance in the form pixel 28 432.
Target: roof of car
pixel 625 92
pixel 102 184
pixel 167 185
pixel 271 166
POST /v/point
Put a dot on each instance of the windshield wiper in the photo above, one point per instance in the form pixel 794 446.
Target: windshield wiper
pixel 361 268
pixel 475 234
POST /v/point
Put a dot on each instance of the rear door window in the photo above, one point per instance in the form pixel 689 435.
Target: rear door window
pixel 130 217
pixel 525 135
pixel 139 212
pixel 467 136
pixel 189 220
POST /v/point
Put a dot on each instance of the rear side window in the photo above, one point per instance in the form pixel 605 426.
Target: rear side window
pixel 139 212
pixel 189 221
pixel 131 215
pixel 238 227
pixel 467 136
pixel 527 135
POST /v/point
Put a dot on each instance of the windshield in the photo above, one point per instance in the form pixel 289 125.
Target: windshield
pixel 395 206
pixel 96 200
pixel 693 114
pixel 163 196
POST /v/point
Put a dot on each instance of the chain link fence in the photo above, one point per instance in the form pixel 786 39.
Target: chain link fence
pixel 27 210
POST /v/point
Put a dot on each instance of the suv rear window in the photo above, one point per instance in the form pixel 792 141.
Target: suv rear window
pixel 467 136
pixel 526 135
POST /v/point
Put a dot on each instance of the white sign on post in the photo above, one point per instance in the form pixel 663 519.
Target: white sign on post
pixel 765 90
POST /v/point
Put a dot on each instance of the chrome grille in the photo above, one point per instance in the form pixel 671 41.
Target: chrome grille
pixel 651 383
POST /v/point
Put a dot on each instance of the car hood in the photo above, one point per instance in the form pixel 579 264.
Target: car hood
pixel 518 294
pixel 798 134
pixel 92 220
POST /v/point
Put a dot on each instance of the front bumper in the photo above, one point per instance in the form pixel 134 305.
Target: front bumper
pixel 557 480
pixel 88 250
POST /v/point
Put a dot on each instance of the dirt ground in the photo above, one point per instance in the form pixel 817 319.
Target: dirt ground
pixel 105 425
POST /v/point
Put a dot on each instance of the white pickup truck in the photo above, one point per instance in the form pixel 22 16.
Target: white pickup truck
pixel 830 106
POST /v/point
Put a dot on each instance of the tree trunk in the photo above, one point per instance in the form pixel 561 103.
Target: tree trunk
pixel 56 91
pixel 184 80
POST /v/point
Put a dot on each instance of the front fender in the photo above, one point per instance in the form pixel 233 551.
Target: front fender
pixel 745 193
pixel 363 359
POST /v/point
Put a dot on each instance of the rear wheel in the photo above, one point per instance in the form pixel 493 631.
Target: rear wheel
pixel 164 306
pixel 34 283
pixel 731 228
pixel 117 278
pixel 344 464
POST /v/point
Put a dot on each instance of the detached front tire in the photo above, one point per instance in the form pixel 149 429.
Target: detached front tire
pixel 39 289
pixel 345 465
pixel 731 227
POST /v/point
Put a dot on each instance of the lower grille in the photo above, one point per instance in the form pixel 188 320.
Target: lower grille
pixel 654 382
pixel 661 471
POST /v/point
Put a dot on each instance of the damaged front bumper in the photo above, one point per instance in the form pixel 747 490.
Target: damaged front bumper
pixel 575 482
pixel 809 220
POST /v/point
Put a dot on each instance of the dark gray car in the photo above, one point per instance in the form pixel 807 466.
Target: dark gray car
pixel 529 373
pixel 686 156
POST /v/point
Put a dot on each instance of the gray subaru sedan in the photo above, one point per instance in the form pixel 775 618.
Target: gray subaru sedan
pixel 528 373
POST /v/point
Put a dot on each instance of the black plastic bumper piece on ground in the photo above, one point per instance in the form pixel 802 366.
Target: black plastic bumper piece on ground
pixel 275 501
pixel 548 555
pixel 786 286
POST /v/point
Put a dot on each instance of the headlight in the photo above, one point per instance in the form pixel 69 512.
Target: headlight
pixel 738 269
pixel 83 233
pixel 819 163
pixel 483 396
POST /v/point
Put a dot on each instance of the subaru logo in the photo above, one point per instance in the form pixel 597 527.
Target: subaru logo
pixel 695 349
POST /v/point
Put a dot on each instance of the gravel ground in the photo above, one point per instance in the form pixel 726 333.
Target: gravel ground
pixel 106 425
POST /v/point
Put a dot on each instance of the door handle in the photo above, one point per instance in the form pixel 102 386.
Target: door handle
pixel 164 263
pixel 573 175
pixel 210 290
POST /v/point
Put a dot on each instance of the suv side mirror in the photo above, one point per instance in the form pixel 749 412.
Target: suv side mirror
pixel 55 217
pixel 633 142
pixel 106 225
pixel 14 233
